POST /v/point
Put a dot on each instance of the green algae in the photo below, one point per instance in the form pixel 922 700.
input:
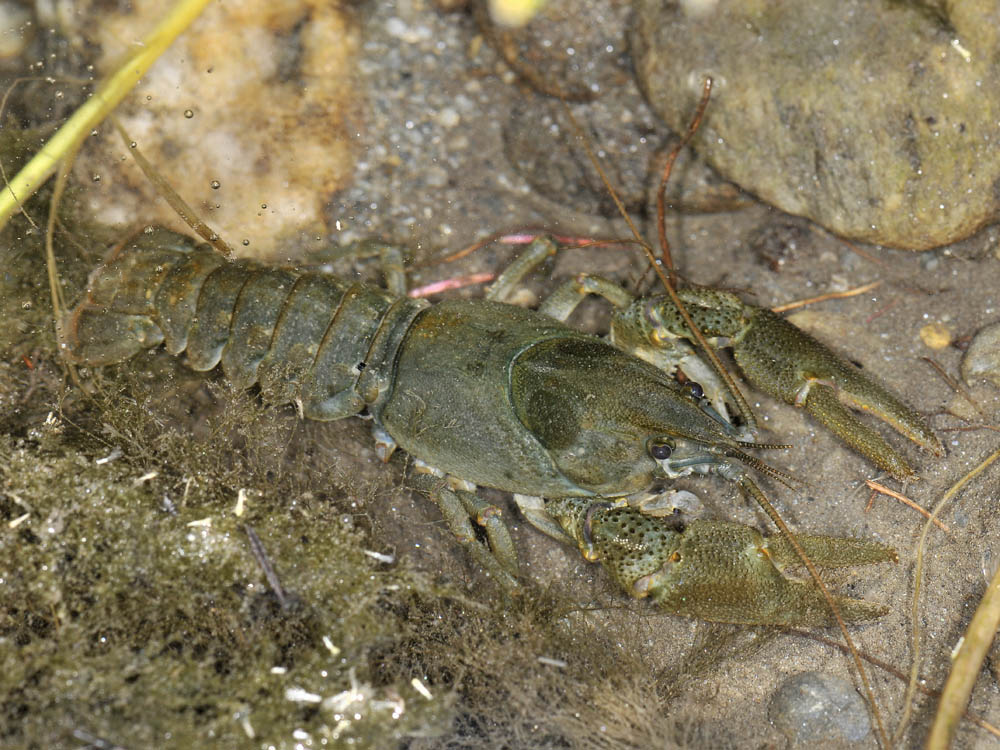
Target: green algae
pixel 128 618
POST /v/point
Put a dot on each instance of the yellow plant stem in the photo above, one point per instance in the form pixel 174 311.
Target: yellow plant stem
pixel 95 109
pixel 918 573
pixel 966 666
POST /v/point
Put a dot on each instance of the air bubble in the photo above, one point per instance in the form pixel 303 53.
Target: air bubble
pixel 189 113
pixel 216 184
pixel 246 243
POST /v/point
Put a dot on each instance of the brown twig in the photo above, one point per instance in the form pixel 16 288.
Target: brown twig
pixel 871 501
pixel 470 249
pixel 266 566
pixel 969 428
pixel 824 297
pixel 883 490
pixel 866 255
pixel 881 311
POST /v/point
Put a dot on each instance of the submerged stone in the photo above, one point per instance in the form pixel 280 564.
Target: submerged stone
pixel 875 120
pixel 814 708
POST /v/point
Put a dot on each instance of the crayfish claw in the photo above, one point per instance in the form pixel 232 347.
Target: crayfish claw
pixel 716 570
pixel 783 361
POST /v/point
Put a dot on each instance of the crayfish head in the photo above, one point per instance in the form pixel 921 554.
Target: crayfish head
pixel 612 423
pixel 679 457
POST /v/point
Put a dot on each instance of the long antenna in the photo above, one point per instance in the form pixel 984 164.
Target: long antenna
pixel 668 166
pixel 667 279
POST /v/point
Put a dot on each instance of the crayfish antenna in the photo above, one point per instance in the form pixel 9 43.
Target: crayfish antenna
pixel 751 488
pixel 786 479
pixel 741 403
pixel 765 446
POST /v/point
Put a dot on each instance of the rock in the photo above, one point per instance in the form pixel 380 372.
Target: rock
pixel 251 115
pixel 876 120
pixel 982 358
pixel 818 709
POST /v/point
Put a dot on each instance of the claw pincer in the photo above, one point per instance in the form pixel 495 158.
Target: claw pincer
pixel 715 570
pixel 789 364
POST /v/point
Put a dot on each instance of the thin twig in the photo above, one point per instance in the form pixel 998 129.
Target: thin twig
pixel 866 255
pixel 905 501
pixel 824 297
pixel 871 501
pixel 881 311
pixel 260 555
pixel 969 428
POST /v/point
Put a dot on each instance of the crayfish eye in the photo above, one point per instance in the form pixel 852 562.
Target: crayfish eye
pixel 660 449
pixel 696 390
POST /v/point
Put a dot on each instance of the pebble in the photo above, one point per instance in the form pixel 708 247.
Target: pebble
pixel 935 336
pixel 815 708
pixel 448 118
pixel 982 358
pixel 930 262
pixel 436 177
